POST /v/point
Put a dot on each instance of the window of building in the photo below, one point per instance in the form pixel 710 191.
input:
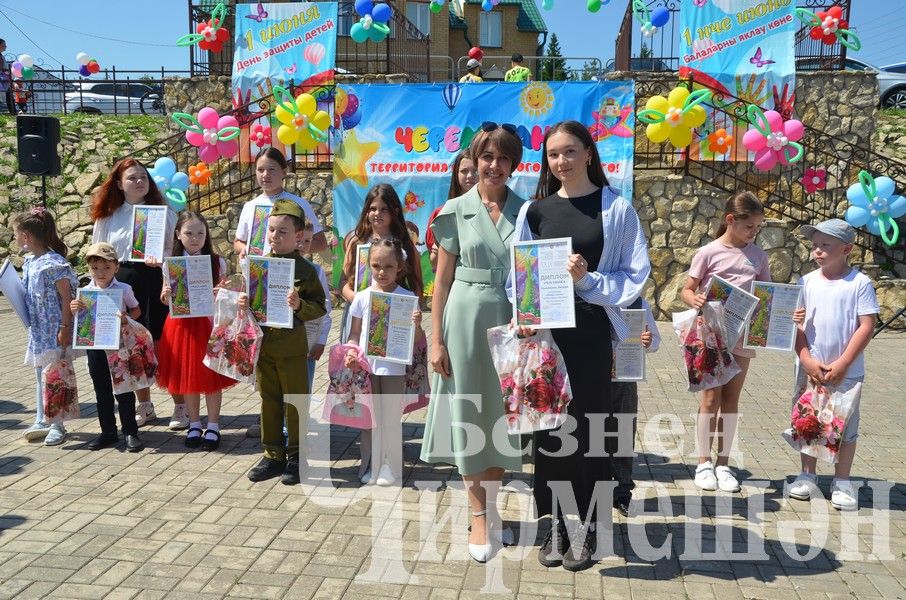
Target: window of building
pixel 490 29
pixel 420 16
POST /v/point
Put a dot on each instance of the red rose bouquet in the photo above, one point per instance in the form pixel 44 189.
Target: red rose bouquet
pixel 709 362
pixel 235 340
pixel 819 417
pixel 134 365
pixel 61 397
pixel 348 400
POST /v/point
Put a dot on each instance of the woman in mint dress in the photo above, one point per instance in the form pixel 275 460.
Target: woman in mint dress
pixel 474 234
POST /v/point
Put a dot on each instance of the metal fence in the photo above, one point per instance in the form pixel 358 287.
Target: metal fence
pixel 543 68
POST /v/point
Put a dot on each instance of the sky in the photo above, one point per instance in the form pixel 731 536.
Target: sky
pixel 144 31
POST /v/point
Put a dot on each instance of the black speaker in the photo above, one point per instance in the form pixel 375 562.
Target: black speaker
pixel 38 138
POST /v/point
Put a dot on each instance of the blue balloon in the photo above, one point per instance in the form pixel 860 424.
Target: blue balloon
pixel 487 5
pixel 364 7
pixel 180 181
pixel 352 120
pixel 382 13
pixel 164 166
pixel 660 16
pixel 358 33
pixel 84 72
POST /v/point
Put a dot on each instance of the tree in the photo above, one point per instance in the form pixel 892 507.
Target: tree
pixel 554 65
pixel 590 71
pixel 645 51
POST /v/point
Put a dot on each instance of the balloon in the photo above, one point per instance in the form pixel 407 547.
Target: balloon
pixel 593 5
pixel 82 58
pixel 487 5
pixel 94 67
pixel 476 53
pixel 772 139
pixel 660 16
pixel 301 121
pixel 213 135
pixel 27 72
pixel 875 205
pixel 17 66
pixel 451 95
pixel 352 105
pixel 209 35
pixel 350 121
pixel 83 71
pixel 358 33
pixel 314 53
pixel 170 183
pixel 381 13
pixel 364 7
pixel 547 4
pixel 675 116
pixel 435 7
pixel 26 60
pixel 340 102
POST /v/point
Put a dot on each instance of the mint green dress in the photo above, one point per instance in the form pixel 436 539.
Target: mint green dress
pixel 477 301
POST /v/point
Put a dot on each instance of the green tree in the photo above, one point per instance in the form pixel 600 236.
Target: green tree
pixel 590 71
pixel 554 66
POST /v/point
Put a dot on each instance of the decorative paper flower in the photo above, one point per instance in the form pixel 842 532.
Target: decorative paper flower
pixel 829 27
pixel 814 180
pixel 720 141
pixel 209 35
pixel 215 136
pixel 302 122
pixel 873 203
pixel 772 139
pixel 674 117
pixel 260 135
pixel 373 24
pixel 199 174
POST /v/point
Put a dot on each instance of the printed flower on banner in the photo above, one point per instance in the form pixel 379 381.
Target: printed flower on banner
pixel 260 135
pixel 814 180
pixel 199 174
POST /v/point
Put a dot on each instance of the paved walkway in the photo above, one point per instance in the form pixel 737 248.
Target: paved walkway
pixel 168 523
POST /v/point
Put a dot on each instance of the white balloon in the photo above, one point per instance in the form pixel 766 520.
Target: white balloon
pixel 26 60
pixel 82 58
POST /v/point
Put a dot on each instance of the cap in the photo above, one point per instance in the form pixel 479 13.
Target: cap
pixel 288 208
pixel 517 57
pixel 472 63
pixel 102 250
pixel 837 228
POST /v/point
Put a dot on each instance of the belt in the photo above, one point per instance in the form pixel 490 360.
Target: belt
pixel 481 276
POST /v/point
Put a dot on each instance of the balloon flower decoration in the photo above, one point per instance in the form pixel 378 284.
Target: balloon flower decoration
pixel 829 27
pixel 260 135
pixel 88 66
pixel 592 5
pixel 650 20
pixel 23 67
pixel 209 35
pixel 872 203
pixel 199 174
pixel 772 139
pixel 213 135
pixel 172 184
pixel 675 116
pixel 302 122
pixel 488 5
pixel 373 24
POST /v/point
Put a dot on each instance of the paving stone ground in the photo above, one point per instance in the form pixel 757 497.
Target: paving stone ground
pixel 171 523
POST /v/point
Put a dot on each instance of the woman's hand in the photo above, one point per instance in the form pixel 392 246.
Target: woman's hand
pixel 440 360
pixel 64 335
pixel 152 261
pixel 576 266
pixel 646 338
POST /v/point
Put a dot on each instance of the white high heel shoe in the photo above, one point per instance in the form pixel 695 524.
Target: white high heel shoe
pixel 480 552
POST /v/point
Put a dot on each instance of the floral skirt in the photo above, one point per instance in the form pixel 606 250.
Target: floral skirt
pixel 180 352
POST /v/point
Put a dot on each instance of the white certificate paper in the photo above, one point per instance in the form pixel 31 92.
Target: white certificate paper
pixel 97 326
pixel 270 280
pixel 388 326
pixel 629 355
pixel 771 325
pixel 191 286
pixel 738 306
pixel 542 286
pixel 12 287
pixel 149 232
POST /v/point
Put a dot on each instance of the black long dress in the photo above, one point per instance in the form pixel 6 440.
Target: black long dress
pixel 588 356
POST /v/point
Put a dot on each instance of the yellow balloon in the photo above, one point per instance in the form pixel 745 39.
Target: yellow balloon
pixel 657 132
pixel 678 96
pixel 340 102
pixel 695 117
pixel 287 135
pixel 306 104
pixel 681 137
pixel 306 141
pixel 658 103
pixel 283 115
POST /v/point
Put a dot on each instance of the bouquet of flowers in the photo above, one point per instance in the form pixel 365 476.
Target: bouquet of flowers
pixel 61 398
pixel 417 374
pixel 709 362
pixel 134 365
pixel 819 417
pixel 235 341
pixel 533 379
pixel 348 401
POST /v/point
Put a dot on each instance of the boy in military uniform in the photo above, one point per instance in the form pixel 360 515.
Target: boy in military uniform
pixel 283 362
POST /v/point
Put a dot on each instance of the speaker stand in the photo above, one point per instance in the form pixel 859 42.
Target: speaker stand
pixel 44 191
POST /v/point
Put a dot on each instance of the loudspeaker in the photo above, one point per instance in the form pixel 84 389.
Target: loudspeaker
pixel 38 138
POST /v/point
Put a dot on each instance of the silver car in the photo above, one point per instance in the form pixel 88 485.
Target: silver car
pixel 121 98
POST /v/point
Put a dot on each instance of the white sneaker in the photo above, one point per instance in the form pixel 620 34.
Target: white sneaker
pixel 801 488
pixel 180 418
pixel 726 481
pixel 366 478
pixel 144 413
pixel 843 495
pixel 36 431
pixel 56 435
pixel 385 477
pixel 705 478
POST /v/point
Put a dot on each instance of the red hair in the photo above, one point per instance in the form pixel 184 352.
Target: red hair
pixel 110 197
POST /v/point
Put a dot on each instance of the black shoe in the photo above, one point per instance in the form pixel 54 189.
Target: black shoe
pixel 105 440
pixel 291 473
pixel 552 552
pixel 194 441
pixel 267 468
pixel 208 445
pixel 622 506
pixel 579 558
pixel 133 444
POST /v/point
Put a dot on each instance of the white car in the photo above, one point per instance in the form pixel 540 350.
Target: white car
pixel 121 98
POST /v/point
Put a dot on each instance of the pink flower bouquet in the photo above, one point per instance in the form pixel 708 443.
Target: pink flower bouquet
pixel 348 401
pixel 709 362
pixel 819 417
pixel 61 397
pixel 235 340
pixel 134 365
pixel 533 379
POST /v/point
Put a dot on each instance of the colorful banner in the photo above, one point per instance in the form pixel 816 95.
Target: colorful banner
pixel 408 136
pixel 739 48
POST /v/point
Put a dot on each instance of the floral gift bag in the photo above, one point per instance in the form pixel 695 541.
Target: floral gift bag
pixel 134 365
pixel 348 400
pixel 819 416
pixel 533 379
pixel 235 341
pixel 417 384
pixel 709 362
pixel 61 398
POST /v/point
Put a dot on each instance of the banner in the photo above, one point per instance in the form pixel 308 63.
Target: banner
pixel 739 48
pixel 408 136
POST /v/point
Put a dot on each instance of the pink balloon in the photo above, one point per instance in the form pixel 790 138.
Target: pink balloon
pixel 228 149
pixel 227 121
pixel 765 159
pixel 753 140
pixel 775 120
pixel 793 130
pixel 209 154
pixel 352 105
pixel 195 139
pixel 208 117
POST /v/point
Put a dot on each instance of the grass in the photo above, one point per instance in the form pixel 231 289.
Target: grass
pixel 893 112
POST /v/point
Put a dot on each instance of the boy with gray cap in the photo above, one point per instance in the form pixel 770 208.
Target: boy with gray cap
pixel 840 313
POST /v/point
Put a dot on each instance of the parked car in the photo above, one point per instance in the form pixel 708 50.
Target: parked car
pixel 891 82
pixel 122 98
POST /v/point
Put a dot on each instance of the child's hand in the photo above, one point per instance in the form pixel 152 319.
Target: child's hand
pixel 316 351
pixel 76 305
pixel 417 316
pixel 646 338
pixel 165 292
pixel 698 300
pixel 293 300
pixel 522 332
pixel 122 317
pixel 799 316
pixel 64 336
pixel 243 301
pixel 352 360
pixel 835 372
pixel 813 370
pixel 244 252
pixel 152 261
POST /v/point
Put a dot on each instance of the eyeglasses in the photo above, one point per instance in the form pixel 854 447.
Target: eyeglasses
pixel 489 126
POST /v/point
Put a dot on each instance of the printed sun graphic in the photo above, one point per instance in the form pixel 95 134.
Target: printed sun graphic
pixel 537 99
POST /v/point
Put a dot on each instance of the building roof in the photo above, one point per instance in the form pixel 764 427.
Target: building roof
pixel 529 18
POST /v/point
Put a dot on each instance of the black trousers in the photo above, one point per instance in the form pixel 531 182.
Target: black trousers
pixel 625 396
pixel 146 282
pixel 103 392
